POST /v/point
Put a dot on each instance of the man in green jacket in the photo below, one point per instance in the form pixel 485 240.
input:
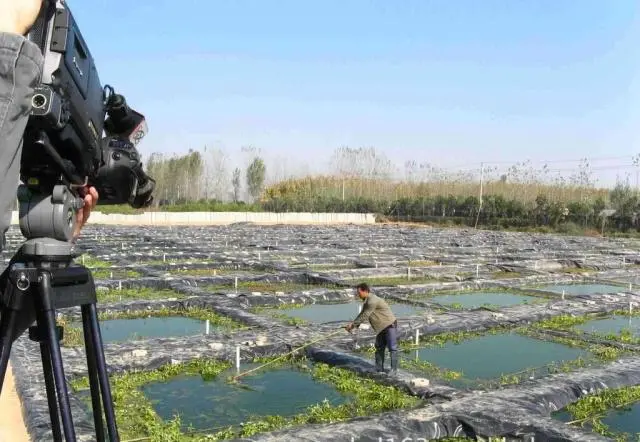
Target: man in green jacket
pixel 383 322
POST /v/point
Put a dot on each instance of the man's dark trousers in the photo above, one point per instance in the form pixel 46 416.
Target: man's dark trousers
pixel 387 338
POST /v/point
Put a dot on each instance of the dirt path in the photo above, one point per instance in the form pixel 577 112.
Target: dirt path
pixel 12 427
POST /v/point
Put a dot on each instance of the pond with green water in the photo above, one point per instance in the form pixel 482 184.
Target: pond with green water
pixel 491 356
pixel 614 324
pixel 217 403
pixel 119 330
pixel 478 299
pixel 624 421
pixel 322 313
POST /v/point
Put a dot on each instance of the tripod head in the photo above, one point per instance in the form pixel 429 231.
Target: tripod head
pixel 67 144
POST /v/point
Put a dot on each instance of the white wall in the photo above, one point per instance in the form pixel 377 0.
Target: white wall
pixel 222 218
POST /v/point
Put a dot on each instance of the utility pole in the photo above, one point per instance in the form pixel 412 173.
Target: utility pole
pixel 480 199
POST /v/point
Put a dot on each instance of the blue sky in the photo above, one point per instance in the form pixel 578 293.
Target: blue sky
pixel 446 82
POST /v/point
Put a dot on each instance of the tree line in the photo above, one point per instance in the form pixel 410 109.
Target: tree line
pixel 364 180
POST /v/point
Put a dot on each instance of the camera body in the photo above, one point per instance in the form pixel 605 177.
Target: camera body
pixel 64 134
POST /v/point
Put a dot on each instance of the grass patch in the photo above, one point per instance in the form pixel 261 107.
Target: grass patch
pixel 92 262
pixel 137 419
pixel 128 294
pixel 422 263
pixel 505 275
pixel 590 409
pixel 578 270
pixel 117 273
pixel 101 269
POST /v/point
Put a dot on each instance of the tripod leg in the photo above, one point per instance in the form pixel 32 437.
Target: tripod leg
pixel 94 384
pixel 51 392
pixel 49 326
pixel 7 325
pixel 107 400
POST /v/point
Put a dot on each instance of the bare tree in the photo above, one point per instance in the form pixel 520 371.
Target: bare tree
pixel 236 183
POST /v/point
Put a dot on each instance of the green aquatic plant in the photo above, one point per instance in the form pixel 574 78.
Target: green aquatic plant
pixel 115 273
pixel 563 322
pixel 428 368
pixel 590 409
pixel 135 293
pixel 505 275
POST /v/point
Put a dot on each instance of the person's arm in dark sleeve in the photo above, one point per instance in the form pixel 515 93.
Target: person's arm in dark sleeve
pixel 20 72
pixel 368 308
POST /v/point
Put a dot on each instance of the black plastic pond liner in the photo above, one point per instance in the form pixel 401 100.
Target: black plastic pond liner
pixel 516 412
pixel 318 296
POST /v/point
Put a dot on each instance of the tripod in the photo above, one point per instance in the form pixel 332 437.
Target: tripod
pixel 40 279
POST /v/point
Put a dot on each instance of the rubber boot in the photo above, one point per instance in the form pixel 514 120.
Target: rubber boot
pixel 394 362
pixel 380 361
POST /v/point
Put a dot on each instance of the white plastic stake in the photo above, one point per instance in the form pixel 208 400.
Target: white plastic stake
pixel 119 285
pixel 376 264
pixel 259 257
pixel 236 283
pixel 408 272
pixel 110 275
pixel 82 259
pixel 563 295
pixel 630 308
pixel 206 327
pixel 164 257
pixel 417 337
pixel 238 358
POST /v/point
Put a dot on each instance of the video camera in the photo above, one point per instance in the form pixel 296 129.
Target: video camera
pixel 63 142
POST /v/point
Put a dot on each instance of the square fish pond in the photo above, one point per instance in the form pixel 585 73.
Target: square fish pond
pixel 612 325
pixel 492 359
pixel 209 402
pixel 338 312
pixel 582 289
pixel 470 300
pixel 120 330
